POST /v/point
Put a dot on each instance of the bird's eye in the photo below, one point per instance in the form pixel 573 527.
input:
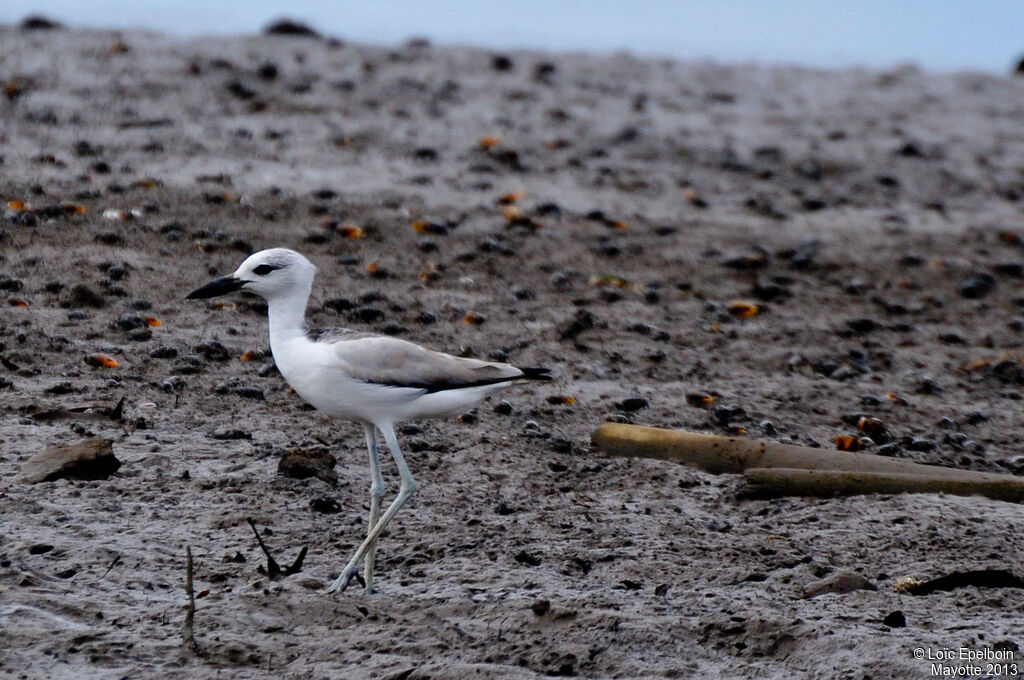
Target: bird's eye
pixel 263 269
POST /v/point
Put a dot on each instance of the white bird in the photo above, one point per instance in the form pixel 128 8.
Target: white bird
pixel 374 380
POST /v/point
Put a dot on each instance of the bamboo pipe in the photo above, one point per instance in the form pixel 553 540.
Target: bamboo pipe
pixel 718 454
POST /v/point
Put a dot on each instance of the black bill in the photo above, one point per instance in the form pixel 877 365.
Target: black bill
pixel 221 286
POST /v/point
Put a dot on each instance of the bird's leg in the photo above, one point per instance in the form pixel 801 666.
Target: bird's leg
pixel 406 490
pixel 376 491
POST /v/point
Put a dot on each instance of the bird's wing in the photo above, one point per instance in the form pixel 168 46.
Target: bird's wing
pixel 390 361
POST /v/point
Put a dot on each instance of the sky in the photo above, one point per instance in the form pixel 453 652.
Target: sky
pixel 938 35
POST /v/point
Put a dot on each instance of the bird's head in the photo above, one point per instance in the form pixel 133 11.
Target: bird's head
pixel 273 273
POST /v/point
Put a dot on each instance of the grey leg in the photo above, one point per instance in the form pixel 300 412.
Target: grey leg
pixel 406 490
pixel 376 491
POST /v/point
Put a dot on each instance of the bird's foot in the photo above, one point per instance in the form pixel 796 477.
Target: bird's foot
pixel 341 583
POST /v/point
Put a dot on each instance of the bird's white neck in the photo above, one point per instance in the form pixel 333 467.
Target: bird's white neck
pixel 287 314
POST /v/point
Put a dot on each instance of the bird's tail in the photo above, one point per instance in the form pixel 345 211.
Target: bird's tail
pixel 535 373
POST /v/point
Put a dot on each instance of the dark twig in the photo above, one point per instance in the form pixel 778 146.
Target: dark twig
pixel 297 564
pixel 273 568
pixel 118 411
pixel 187 630
pixel 113 563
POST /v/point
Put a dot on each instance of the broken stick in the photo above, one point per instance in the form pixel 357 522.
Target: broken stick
pixel 718 454
pixel 187 630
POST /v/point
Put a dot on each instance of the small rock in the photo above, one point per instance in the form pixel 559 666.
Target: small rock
pixel 129 321
pixel 250 393
pixel 90 459
pixel 303 463
pixel 500 62
pixel 863 325
pixel 895 619
pixel 977 286
pixel 726 413
pixel 211 350
pixel 291 28
pixel 83 296
pixel 325 505
pixel 62 388
pixel 840 583
pixel 267 71
pixel 526 558
pixel 164 353
pixel 920 444
pixel 225 433
pixel 632 404
pixel 36 22
pixel 541 607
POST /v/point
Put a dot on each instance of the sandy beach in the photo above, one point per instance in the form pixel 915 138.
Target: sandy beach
pixel 806 247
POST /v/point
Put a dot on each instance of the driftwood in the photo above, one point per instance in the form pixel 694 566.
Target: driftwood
pixel 772 482
pixel 784 469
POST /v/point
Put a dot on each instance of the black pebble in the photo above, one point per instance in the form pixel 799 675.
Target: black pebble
pixel 503 407
pixel 325 504
pixel 129 321
pixel 978 286
pixel 211 350
pixel 541 607
pixel 920 444
pixel 227 433
pixel 83 296
pixel 526 558
pixel 250 393
pixel 724 414
pixel 290 28
pixel 863 325
pixel 632 404
pixel 267 71
pixel 895 619
pixel 500 62
pixel 36 22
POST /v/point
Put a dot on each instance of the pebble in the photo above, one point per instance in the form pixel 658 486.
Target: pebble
pixel 290 27
pixel 632 404
pixel 977 286
pixel 919 444
pixel 723 414
pixel 129 321
pixel 164 352
pixel 173 384
pixel 895 619
pixel 503 407
pixel 228 433
pixel 250 392
pixel 888 450
pixel 862 325
pixel 211 350
pixel 82 296
pixel 325 505
pixel 526 558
